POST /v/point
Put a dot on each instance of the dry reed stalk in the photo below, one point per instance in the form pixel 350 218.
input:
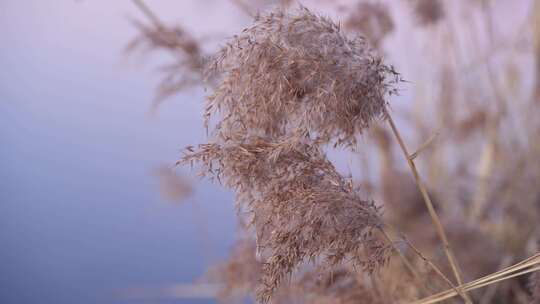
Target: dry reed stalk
pixel 405 261
pixel 411 268
pixel 488 295
pixel 425 145
pixel 148 13
pixel 485 168
pixel 424 258
pixel 536 27
pixel 434 267
pixel 435 218
pixel 526 266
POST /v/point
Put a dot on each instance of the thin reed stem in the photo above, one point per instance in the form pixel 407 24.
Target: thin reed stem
pixel 526 266
pixel 487 297
pixel 148 13
pixel 424 146
pixel 434 267
pixel 424 258
pixel 406 262
pixel 435 218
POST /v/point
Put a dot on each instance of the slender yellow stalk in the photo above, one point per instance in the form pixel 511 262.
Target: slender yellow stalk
pixel 536 27
pixel 527 266
pixel 424 146
pixel 435 218
pixel 484 170
pixel 488 295
pixel 411 268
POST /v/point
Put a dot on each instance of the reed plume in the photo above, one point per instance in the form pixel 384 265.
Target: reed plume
pixel 285 87
pixel 186 69
pixel 297 73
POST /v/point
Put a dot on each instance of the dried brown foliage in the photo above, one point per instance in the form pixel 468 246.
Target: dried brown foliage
pixel 187 67
pixel 534 284
pixel 173 187
pixel 372 20
pixel 476 260
pixel 286 86
pixel 297 73
pixel 428 11
pixel 398 190
pixel 303 209
pixel 240 274
pixel 341 284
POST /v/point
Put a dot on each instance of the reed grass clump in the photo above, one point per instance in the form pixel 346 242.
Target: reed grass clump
pixel 318 285
pixel 284 88
pixel 186 68
pixel 297 73
pixel 428 12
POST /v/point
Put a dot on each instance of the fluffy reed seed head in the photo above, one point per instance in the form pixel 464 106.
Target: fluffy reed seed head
pixel 284 87
pixel 187 68
pixel 296 72
pixel 238 276
pixel 303 209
